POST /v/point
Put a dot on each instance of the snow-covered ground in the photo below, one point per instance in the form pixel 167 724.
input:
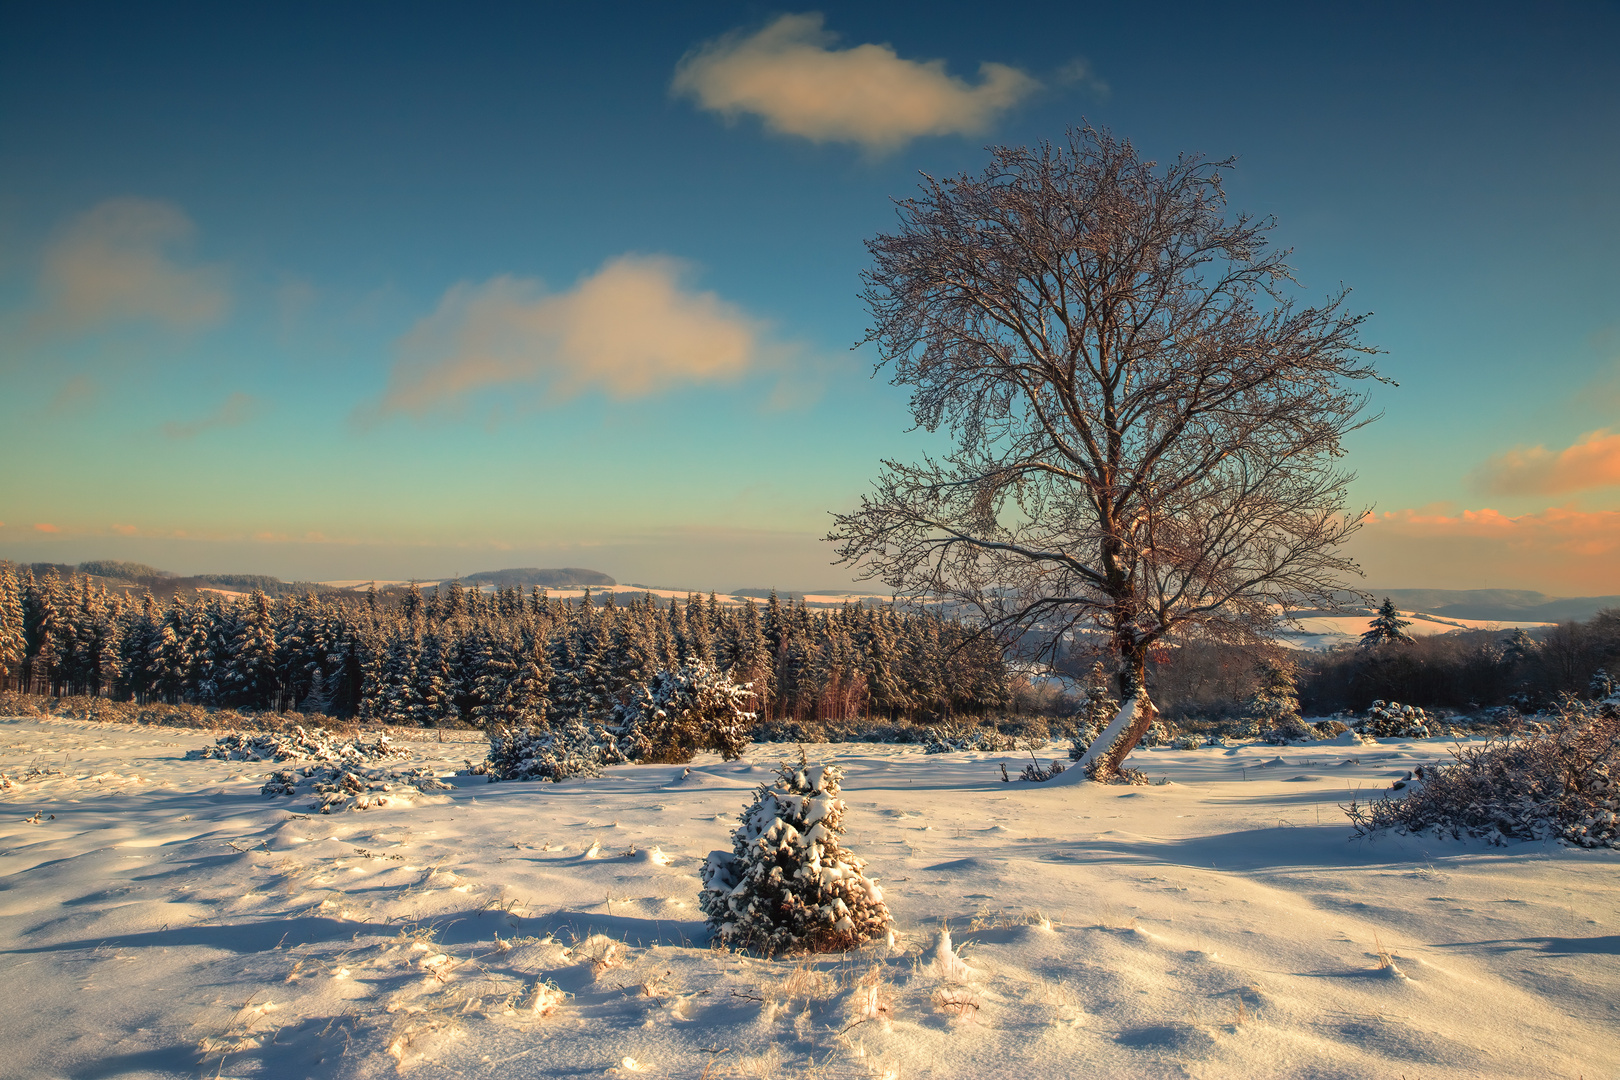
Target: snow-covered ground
pixel 160 918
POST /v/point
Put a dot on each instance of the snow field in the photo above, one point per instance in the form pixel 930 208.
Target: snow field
pixel 169 921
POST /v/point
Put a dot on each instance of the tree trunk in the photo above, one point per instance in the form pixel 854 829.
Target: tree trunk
pixel 1133 686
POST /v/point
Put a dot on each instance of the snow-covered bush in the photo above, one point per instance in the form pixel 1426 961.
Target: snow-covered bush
pixel 948 739
pixel 556 752
pixel 1392 720
pixel 680 712
pixel 298 744
pixel 1559 784
pixel 1188 742
pixel 1602 686
pixel 787 886
pixel 1157 734
pixel 1084 736
pixel 340 787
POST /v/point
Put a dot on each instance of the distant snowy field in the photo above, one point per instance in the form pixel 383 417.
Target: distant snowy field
pixel 169 921
pixel 1307 630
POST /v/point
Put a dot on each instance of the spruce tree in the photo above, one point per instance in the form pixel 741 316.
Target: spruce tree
pixel 1386 628
pixel 1274 707
pixel 13 642
pixel 1096 712
pixel 787 885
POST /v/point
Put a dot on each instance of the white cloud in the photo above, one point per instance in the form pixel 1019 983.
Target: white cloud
pixel 114 263
pixel 790 75
pixel 629 329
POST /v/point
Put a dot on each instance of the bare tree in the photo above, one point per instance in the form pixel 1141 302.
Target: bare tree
pixel 1145 427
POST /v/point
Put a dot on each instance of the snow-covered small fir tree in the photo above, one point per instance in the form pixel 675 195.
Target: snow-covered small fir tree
pixel 696 707
pixel 787 886
pixel 1518 647
pixel 1096 713
pixel 1602 685
pixel 1387 627
pixel 1275 705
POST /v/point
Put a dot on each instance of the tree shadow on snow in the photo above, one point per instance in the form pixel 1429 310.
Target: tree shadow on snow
pixel 1605 945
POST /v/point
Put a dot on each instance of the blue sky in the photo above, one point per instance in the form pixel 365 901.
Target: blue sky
pixel 393 290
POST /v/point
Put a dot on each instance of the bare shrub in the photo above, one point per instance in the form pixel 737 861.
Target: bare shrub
pixel 1554 784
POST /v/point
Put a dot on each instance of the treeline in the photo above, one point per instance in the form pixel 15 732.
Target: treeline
pixel 131 576
pixel 1471 670
pixel 1466 671
pixel 443 657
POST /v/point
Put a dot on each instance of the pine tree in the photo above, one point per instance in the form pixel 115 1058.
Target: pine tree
pixel 136 644
pixel 531 685
pixel 436 680
pixel 1386 628
pixel 682 712
pixel 249 679
pixel 13 641
pixel 1096 712
pixel 787 886
pixel 1518 647
pixel 1601 686
pixel 46 631
pixel 1274 708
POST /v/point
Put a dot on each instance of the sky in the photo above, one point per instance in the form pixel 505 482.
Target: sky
pixel 395 290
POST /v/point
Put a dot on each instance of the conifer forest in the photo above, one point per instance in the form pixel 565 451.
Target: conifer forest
pixel 453 656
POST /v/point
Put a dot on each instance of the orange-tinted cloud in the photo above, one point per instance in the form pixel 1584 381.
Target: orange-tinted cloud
pixel 1593 462
pixel 790 75
pixel 1560 550
pixel 629 329
pixel 116 262
pixel 46 527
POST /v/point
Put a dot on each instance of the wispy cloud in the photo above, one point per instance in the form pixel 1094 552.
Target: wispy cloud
pixel 234 411
pixel 117 262
pixel 1080 72
pixel 631 328
pixel 46 527
pixel 790 75
pixel 76 393
pixel 1592 462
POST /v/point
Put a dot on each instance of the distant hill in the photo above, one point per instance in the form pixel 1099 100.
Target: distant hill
pixel 567 577
pixel 1508 605
pixel 131 578
pixel 122 571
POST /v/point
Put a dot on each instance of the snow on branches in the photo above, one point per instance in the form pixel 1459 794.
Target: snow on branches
pixel 787 886
pixel 1392 720
pixel 696 707
pixel 298 744
pixel 1558 784
pixel 678 713
pixel 557 752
